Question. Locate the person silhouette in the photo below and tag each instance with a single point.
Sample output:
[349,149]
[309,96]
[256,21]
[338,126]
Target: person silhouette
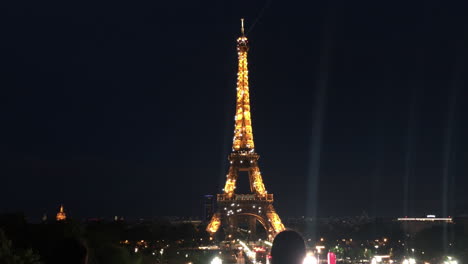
[288,248]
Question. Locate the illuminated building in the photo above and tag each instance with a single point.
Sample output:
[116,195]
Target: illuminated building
[426,219]
[416,224]
[61,216]
[256,206]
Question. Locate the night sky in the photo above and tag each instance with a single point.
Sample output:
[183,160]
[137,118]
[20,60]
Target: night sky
[126,108]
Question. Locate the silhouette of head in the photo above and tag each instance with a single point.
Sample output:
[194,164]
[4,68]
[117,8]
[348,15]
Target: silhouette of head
[288,248]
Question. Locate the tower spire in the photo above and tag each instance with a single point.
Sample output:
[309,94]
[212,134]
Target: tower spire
[242,27]
[243,134]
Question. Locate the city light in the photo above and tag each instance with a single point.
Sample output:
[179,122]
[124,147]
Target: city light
[216,260]
[409,261]
[379,258]
[319,248]
[250,254]
[450,260]
[427,219]
[310,259]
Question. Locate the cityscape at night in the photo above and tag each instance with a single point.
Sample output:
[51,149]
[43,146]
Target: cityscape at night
[235,132]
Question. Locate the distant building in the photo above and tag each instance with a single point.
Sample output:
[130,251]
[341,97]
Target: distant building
[208,207]
[118,219]
[194,222]
[61,216]
[416,224]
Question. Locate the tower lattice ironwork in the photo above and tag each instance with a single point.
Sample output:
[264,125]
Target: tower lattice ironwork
[258,204]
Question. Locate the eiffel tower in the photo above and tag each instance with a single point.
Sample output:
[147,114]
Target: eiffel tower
[257,206]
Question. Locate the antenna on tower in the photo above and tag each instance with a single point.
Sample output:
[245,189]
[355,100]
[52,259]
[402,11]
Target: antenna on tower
[242,26]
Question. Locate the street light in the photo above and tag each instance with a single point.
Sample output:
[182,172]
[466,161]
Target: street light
[409,261]
[450,260]
[216,260]
[310,259]
[319,248]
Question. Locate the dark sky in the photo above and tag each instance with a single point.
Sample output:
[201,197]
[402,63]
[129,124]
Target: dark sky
[125,108]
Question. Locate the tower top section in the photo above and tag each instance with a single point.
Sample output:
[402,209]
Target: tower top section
[243,134]
[242,43]
[242,27]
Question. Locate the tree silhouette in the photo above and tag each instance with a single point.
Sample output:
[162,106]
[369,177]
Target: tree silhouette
[10,256]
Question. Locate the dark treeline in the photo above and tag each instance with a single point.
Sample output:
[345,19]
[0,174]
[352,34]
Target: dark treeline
[103,241]
[162,241]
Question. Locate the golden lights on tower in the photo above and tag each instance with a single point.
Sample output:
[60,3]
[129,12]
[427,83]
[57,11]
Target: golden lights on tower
[214,224]
[244,159]
[243,134]
[275,221]
[61,216]
[258,185]
[229,187]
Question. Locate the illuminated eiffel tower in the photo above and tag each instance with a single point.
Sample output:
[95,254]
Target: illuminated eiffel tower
[257,206]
